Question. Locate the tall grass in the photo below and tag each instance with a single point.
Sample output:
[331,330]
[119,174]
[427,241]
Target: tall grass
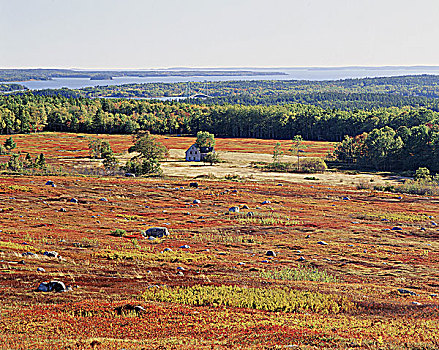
[301,273]
[274,299]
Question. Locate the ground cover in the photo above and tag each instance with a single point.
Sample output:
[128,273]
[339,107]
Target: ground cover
[351,268]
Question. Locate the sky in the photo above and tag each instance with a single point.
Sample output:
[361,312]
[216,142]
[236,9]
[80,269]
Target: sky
[143,34]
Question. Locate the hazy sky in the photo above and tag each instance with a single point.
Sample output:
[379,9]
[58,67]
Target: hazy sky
[217,33]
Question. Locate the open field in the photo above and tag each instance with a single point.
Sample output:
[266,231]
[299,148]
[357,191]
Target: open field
[358,273]
[350,269]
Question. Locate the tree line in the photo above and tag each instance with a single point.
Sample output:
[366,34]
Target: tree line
[28,113]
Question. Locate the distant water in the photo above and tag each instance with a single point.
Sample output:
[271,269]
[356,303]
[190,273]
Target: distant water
[315,73]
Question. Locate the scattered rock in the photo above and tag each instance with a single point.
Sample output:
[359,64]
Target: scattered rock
[396,228]
[63,210]
[245,206]
[179,273]
[52,286]
[180,268]
[156,232]
[126,309]
[266,202]
[196,201]
[50,183]
[416,303]
[185,246]
[270,253]
[51,254]
[234,210]
[130,175]
[103,199]
[346,198]
[73,200]
[28,254]
[40,269]
[322,243]
[405,291]
[301,259]
[167,250]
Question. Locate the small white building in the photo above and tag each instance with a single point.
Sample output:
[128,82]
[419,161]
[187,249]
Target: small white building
[197,154]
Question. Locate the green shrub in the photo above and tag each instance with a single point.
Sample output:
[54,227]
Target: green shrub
[118,232]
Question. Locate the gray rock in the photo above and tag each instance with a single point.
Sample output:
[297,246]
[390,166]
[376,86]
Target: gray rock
[405,291]
[156,232]
[51,254]
[52,286]
[28,254]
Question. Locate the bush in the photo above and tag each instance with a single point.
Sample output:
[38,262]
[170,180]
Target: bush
[307,165]
[118,232]
[313,165]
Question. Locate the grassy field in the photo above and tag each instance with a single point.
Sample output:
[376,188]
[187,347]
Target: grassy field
[350,269]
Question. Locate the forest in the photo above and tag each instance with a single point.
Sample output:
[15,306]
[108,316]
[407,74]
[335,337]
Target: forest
[47,74]
[266,91]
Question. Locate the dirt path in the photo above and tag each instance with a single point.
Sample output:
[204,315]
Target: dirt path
[238,164]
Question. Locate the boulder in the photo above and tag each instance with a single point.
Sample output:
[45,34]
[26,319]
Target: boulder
[406,291]
[73,200]
[51,254]
[50,183]
[193,184]
[270,253]
[245,206]
[63,210]
[196,201]
[52,286]
[156,232]
[234,210]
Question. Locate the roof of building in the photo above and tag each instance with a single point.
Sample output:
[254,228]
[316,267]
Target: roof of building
[201,149]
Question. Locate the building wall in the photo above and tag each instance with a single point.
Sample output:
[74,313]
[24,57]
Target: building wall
[193,154]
